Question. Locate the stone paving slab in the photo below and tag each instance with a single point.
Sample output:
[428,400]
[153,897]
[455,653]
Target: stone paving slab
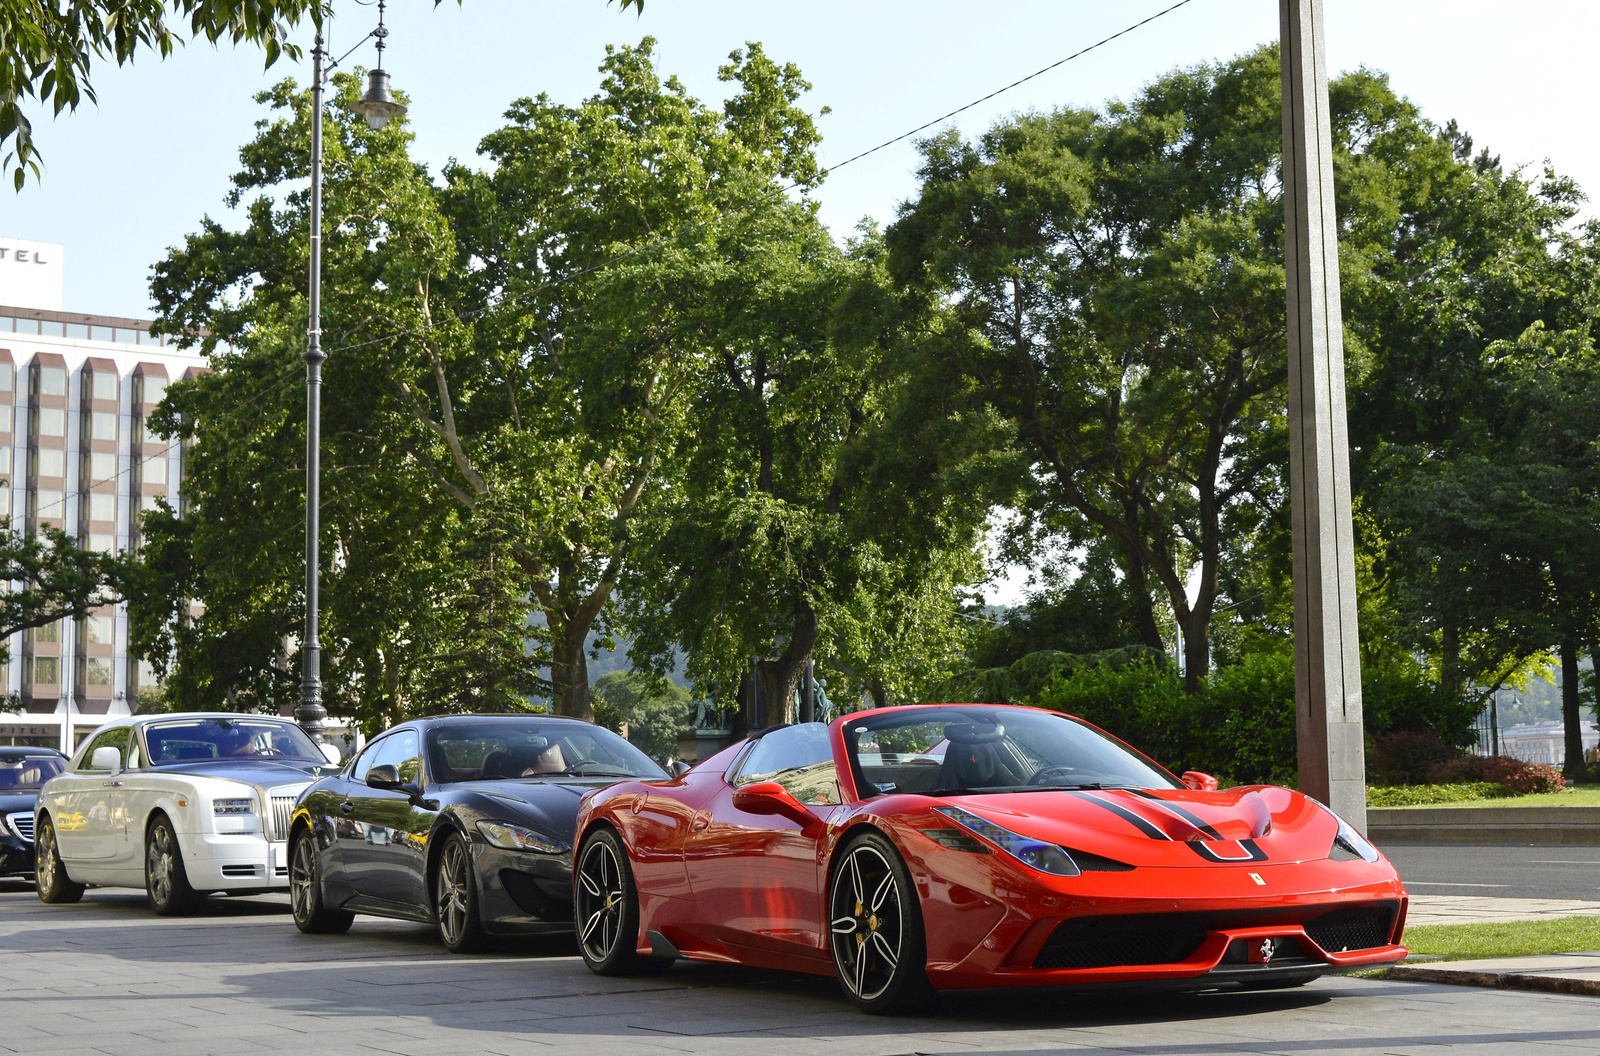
[1475,909]
[105,976]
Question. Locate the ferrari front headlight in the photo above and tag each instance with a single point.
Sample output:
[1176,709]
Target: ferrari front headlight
[517,838]
[1351,842]
[1035,854]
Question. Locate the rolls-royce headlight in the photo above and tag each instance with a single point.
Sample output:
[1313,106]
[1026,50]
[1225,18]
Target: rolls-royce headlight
[516,838]
[233,806]
[1035,854]
[1351,843]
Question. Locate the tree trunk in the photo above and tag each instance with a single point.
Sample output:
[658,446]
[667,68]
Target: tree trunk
[569,672]
[1196,631]
[880,696]
[1144,611]
[1571,712]
[781,677]
[1450,656]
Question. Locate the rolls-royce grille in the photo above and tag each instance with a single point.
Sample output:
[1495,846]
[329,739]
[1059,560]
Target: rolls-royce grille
[282,811]
[1356,928]
[22,824]
[1107,942]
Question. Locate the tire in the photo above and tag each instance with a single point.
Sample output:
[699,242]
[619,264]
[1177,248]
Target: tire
[49,874]
[605,909]
[166,882]
[311,915]
[875,924]
[455,898]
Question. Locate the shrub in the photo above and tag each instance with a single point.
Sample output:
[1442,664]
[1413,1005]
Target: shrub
[1423,795]
[1405,757]
[1513,774]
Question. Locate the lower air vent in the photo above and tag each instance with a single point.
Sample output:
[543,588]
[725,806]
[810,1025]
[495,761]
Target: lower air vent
[1111,942]
[524,891]
[1355,928]
[241,870]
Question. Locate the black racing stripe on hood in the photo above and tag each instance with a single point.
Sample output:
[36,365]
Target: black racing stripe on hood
[1252,852]
[1127,815]
[1179,811]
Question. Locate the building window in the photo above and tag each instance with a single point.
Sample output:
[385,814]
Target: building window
[50,632]
[105,385]
[79,331]
[52,421]
[50,503]
[154,389]
[102,507]
[46,670]
[144,674]
[5,373]
[52,381]
[102,542]
[49,462]
[154,470]
[96,671]
[102,466]
[5,417]
[105,425]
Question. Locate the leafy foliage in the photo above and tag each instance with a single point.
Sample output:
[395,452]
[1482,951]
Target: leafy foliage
[649,711]
[59,580]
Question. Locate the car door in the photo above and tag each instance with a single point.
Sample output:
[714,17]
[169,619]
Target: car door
[757,878]
[386,857]
[91,820]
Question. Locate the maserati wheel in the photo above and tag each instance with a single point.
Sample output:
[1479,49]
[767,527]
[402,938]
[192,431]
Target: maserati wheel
[455,899]
[166,884]
[606,909]
[49,875]
[876,924]
[311,914]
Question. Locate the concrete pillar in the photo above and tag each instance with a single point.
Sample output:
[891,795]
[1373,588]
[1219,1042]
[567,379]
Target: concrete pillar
[1326,658]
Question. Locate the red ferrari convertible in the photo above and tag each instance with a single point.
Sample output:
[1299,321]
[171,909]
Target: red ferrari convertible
[957,846]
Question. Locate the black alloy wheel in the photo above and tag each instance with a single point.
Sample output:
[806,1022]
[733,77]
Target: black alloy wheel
[875,923]
[455,898]
[49,875]
[311,915]
[605,909]
[166,883]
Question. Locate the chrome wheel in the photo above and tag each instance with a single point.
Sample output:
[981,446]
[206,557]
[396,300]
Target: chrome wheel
[600,900]
[867,921]
[302,881]
[158,854]
[450,892]
[45,862]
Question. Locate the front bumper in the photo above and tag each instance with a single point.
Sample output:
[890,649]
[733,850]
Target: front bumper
[245,862]
[16,856]
[521,892]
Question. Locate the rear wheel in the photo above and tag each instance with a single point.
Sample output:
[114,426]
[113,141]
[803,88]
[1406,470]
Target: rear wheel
[311,914]
[49,875]
[166,882]
[606,909]
[879,950]
[455,899]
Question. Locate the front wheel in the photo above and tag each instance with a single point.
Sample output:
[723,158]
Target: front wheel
[606,909]
[875,922]
[49,875]
[311,915]
[166,882]
[455,899]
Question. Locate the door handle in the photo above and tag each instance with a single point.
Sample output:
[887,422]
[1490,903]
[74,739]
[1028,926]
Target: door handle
[111,784]
[346,807]
[700,822]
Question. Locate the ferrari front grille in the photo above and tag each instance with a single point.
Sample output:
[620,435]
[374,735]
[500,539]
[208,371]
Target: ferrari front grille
[22,824]
[1111,942]
[1355,928]
[282,811]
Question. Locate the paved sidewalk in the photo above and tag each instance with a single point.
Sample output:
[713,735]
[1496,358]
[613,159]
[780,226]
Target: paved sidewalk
[1475,909]
[1560,973]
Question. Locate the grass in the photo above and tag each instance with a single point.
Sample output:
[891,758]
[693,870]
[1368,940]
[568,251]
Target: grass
[1516,938]
[1444,796]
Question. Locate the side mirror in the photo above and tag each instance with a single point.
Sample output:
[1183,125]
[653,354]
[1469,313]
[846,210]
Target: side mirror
[330,753]
[383,777]
[677,768]
[769,797]
[106,759]
[1199,782]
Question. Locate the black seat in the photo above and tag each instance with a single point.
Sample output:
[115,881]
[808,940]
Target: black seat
[500,764]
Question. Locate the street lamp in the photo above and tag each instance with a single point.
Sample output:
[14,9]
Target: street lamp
[377,107]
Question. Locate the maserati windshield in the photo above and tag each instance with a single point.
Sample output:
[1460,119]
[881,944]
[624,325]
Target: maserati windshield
[27,773]
[197,740]
[952,751]
[497,751]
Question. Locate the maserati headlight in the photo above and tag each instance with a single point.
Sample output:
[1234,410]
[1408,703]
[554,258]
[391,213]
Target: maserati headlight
[1352,843]
[1035,854]
[516,838]
[233,806]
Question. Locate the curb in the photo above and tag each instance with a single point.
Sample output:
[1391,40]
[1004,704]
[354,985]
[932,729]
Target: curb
[1513,826]
[1549,984]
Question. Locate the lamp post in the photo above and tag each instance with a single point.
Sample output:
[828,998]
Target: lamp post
[377,106]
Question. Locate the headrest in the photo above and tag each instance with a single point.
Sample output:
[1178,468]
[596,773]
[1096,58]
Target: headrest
[973,733]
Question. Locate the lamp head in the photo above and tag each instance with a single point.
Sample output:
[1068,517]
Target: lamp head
[378,105]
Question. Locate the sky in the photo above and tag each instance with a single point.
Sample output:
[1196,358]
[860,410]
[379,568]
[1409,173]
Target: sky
[130,176]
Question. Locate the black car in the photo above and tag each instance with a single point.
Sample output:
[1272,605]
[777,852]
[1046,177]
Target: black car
[465,821]
[22,772]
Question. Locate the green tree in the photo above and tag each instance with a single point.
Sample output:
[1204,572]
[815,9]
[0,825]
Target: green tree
[648,710]
[59,580]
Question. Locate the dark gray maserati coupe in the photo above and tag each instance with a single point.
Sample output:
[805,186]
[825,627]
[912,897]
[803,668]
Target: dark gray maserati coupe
[463,821]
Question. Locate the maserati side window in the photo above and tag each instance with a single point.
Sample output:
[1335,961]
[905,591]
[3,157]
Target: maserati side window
[403,752]
[800,758]
[363,763]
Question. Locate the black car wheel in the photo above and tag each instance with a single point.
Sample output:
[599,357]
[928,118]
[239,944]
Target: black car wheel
[49,875]
[606,909]
[311,914]
[455,898]
[876,923]
[166,883]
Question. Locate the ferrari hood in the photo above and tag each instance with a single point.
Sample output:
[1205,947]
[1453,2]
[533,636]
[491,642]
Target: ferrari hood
[1167,827]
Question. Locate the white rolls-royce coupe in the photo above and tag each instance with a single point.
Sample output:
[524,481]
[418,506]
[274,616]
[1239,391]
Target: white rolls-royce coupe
[182,805]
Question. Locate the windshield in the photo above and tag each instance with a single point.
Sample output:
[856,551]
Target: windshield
[27,773]
[193,740]
[489,751]
[956,750]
